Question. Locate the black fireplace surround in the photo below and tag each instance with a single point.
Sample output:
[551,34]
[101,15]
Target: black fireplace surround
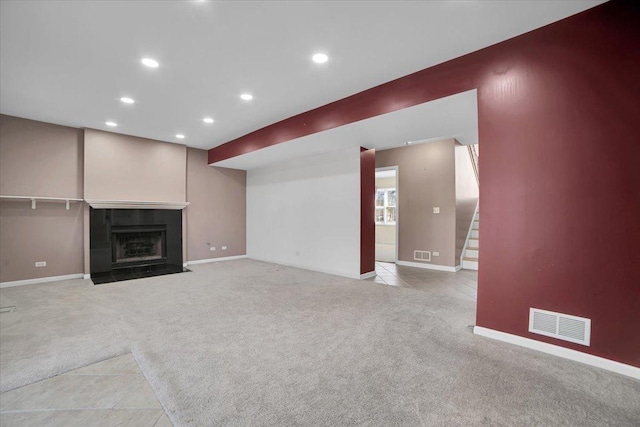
[132,243]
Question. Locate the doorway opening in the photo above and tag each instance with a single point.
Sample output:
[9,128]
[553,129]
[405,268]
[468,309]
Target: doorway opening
[386,214]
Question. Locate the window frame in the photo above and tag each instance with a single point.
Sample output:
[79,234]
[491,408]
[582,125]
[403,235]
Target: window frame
[385,206]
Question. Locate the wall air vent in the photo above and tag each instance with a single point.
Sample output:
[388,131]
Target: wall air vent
[422,255]
[562,326]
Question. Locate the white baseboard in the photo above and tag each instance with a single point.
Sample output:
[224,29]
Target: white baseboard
[208,260]
[40,280]
[304,267]
[577,356]
[367,275]
[429,266]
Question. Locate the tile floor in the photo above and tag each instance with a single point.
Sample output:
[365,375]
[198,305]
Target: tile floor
[113,392]
[462,284]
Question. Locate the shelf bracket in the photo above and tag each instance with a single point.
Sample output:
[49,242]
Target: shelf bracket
[33,203]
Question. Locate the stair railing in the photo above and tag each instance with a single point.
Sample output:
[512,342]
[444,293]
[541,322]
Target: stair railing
[473,154]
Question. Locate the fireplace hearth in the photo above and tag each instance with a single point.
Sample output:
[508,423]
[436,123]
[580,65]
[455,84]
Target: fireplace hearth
[127,244]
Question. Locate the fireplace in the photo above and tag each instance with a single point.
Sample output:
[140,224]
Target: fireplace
[132,243]
[138,244]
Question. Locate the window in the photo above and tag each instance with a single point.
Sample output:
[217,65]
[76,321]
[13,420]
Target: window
[386,199]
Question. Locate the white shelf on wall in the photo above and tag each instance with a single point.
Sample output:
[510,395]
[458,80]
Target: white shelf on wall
[35,199]
[135,204]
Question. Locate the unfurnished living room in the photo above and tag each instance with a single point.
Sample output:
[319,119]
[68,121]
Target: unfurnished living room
[319,213]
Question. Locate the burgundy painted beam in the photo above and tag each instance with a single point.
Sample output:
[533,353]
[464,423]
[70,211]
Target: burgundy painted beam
[450,78]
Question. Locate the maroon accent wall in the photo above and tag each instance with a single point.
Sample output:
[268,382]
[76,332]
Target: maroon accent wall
[367,206]
[560,196]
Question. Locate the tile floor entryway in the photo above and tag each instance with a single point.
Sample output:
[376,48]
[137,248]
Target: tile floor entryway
[462,284]
[113,392]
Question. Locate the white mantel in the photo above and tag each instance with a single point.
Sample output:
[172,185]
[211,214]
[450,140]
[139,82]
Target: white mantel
[133,204]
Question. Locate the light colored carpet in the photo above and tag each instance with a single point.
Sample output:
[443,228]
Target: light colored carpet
[249,343]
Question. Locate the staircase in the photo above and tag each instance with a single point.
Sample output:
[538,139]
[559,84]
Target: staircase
[471,250]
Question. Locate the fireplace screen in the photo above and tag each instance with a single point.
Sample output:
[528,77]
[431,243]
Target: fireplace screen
[138,245]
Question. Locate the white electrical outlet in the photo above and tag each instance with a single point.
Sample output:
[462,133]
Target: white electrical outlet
[224,248]
[41,263]
[212,248]
[436,209]
[435,253]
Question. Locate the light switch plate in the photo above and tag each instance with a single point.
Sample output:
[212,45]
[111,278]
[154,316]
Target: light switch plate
[212,248]
[436,253]
[436,209]
[224,248]
[41,263]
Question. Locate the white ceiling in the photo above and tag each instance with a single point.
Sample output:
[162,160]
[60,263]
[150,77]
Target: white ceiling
[69,62]
[451,117]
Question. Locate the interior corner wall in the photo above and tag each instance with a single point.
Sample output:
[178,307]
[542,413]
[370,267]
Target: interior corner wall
[426,179]
[306,213]
[467,193]
[40,159]
[216,215]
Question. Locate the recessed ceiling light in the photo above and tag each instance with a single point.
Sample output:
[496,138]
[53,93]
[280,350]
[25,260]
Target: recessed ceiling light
[207,120]
[320,58]
[246,96]
[152,63]
[112,124]
[180,136]
[127,100]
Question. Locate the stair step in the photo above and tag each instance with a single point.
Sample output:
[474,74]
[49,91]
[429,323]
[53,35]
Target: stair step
[470,263]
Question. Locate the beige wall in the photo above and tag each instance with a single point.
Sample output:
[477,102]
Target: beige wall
[40,159]
[122,167]
[426,178]
[216,215]
[467,193]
